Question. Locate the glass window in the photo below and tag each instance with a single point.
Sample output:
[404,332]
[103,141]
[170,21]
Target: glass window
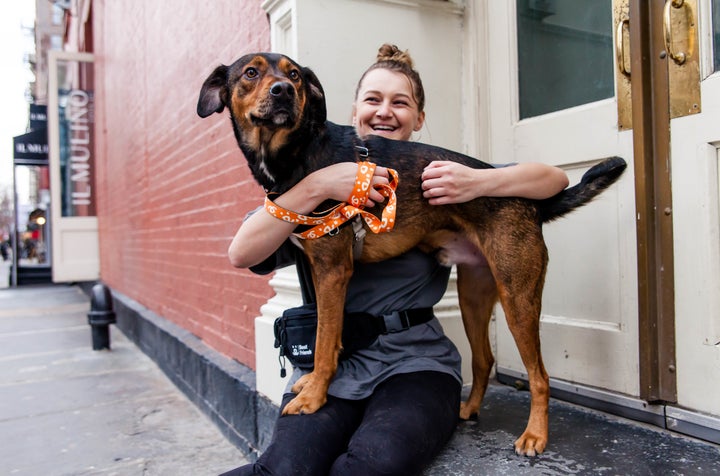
[76,109]
[565,54]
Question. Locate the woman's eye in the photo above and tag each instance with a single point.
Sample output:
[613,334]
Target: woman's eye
[251,73]
[372,100]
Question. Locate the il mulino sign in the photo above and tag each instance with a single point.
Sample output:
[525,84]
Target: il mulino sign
[76,134]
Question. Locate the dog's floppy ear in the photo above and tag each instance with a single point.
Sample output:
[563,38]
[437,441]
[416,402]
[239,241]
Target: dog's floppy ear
[316,96]
[213,94]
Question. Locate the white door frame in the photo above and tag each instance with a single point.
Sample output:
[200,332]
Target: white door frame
[75,254]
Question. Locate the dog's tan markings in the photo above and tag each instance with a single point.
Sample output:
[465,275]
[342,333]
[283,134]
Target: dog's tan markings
[245,97]
[290,72]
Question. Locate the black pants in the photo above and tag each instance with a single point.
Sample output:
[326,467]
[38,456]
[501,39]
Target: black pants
[398,430]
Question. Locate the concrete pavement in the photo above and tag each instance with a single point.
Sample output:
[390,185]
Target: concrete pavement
[68,410]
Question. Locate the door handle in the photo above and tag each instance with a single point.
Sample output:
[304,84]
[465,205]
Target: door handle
[620,47]
[678,57]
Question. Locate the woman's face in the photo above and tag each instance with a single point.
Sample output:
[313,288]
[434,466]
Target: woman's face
[385,106]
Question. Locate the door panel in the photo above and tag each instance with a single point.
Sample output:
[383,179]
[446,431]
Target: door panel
[589,317]
[72,157]
[696,203]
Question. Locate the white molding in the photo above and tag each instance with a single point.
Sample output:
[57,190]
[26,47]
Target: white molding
[454,7]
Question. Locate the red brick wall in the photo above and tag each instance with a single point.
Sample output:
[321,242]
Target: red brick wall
[173,188]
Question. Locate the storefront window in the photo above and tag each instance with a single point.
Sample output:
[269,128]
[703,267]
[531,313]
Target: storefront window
[76,110]
[33,215]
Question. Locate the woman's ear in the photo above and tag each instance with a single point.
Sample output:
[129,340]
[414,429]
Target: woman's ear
[420,121]
[354,115]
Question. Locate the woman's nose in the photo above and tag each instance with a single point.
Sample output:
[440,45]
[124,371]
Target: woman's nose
[383,110]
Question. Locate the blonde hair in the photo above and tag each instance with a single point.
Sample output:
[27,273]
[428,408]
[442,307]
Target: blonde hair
[391,58]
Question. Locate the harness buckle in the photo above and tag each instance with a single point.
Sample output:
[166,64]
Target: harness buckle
[362,151]
[396,321]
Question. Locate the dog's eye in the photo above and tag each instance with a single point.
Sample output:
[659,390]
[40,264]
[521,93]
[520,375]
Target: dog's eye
[251,73]
[294,75]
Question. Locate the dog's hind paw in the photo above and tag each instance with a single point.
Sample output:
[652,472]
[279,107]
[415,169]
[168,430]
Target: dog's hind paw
[530,445]
[467,411]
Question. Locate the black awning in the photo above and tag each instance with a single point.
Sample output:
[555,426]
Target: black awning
[31,148]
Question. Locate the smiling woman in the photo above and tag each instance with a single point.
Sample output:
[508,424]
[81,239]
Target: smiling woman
[387,103]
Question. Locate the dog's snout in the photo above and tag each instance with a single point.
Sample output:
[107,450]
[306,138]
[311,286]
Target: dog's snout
[281,89]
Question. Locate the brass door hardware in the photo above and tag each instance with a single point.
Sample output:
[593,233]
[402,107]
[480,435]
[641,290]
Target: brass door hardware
[679,28]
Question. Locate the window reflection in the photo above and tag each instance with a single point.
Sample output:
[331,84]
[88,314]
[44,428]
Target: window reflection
[565,55]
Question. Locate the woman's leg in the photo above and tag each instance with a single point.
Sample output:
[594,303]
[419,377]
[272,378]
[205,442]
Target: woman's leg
[407,421]
[307,445]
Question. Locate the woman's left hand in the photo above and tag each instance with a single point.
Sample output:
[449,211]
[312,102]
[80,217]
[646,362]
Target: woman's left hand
[446,182]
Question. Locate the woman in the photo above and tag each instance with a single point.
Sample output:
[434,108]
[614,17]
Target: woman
[392,406]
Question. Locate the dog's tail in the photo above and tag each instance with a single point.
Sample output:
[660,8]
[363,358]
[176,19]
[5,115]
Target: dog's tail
[596,179]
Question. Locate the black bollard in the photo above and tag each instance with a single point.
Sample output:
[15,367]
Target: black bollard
[100,317]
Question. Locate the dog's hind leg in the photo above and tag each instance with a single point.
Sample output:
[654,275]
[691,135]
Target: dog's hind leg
[477,295]
[520,275]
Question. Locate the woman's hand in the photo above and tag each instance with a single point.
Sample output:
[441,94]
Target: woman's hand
[336,182]
[262,234]
[449,182]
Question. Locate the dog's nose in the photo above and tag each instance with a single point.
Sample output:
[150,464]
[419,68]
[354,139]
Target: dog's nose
[282,88]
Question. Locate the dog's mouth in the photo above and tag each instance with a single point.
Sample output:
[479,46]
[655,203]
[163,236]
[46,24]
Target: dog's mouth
[276,119]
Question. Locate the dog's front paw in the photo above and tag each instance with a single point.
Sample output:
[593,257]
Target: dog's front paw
[311,395]
[530,444]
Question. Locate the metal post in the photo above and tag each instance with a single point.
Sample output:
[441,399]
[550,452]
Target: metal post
[100,317]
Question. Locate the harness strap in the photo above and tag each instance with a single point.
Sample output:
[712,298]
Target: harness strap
[330,221]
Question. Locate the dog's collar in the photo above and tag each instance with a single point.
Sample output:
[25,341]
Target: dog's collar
[329,221]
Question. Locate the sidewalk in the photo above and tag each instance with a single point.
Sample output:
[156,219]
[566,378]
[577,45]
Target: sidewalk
[68,410]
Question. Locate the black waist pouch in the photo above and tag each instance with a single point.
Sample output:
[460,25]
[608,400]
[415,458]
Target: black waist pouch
[296,330]
[295,333]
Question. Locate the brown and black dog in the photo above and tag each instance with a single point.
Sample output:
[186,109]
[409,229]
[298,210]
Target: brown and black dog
[278,114]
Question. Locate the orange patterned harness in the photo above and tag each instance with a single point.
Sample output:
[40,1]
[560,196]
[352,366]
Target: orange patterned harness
[330,221]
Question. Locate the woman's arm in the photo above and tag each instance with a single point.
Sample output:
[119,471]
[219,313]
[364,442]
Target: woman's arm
[262,234]
[448,182]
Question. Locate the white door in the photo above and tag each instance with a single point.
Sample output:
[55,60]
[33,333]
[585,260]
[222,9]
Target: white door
[552,99]
[72,156]
[695,156]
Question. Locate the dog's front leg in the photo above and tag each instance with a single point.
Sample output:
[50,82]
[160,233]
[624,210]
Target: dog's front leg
[331,261]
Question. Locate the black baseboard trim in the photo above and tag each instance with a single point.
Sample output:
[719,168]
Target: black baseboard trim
[222,388]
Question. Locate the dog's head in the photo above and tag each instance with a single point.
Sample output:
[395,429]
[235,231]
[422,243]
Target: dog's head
[272,101]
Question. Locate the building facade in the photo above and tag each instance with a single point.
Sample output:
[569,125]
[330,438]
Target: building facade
[631,318]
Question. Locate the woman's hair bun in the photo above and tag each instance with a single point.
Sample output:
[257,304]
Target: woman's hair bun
[388,52]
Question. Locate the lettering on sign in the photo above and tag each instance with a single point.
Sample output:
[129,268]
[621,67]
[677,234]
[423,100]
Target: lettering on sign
[77,115]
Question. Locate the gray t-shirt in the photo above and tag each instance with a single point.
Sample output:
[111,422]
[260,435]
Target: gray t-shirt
[409,281]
